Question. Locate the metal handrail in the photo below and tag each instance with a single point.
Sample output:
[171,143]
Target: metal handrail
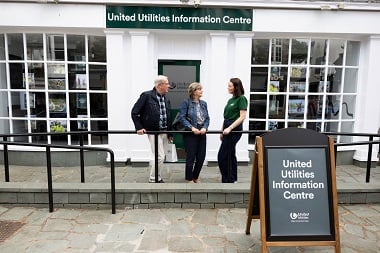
[81,148]
[49,167]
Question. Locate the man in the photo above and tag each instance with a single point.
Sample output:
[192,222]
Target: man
[151,112]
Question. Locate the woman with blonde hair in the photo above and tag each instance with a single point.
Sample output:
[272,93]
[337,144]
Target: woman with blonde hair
[194,116]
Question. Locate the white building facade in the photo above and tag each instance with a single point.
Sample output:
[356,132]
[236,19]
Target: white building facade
[72,65]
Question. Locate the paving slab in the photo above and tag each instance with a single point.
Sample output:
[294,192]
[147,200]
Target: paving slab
[169,230]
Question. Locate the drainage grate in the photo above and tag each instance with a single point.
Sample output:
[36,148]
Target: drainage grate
[8,228]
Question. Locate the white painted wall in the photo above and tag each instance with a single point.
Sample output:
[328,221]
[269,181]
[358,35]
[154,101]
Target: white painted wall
[368,106]
[132,57]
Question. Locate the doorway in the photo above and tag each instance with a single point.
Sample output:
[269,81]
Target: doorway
[181,73]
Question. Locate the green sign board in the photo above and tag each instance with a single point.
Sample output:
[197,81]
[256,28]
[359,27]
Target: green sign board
[179,18]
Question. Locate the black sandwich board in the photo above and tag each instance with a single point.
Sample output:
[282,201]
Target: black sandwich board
[294,174]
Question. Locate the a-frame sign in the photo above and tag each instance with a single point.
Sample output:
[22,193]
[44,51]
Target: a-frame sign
[294,174]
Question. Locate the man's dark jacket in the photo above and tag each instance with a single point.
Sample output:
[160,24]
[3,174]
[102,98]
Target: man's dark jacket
[146,112]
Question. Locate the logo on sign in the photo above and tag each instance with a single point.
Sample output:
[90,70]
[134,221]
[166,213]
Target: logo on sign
[299,217]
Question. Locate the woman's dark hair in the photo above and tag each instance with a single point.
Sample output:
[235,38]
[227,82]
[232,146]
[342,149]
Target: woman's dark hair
[238,87]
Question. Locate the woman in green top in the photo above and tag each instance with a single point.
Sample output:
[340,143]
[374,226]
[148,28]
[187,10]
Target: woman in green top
[234,114]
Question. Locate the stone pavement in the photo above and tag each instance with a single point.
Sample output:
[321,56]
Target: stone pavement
[168,230]
[347,175]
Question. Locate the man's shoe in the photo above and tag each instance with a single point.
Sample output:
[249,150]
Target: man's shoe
[154,180]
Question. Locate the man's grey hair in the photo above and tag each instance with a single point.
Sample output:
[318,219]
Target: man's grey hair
[160,79]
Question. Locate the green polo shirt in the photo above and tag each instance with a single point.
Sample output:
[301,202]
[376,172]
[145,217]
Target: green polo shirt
[234,106]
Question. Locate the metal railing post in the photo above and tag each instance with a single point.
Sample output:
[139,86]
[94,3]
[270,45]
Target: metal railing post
[113,190]
[369,160]
[81,152]
[6,161]
[49,178]
[156,157]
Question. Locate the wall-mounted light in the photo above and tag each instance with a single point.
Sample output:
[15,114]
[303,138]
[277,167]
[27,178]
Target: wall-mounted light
[197,3]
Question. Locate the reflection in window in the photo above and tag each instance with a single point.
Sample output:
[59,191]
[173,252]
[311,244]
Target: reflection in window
[19,127]
[37,104]
[350,80]
[334,80]
[348,107]
[36,76]
[39,126]
[318,52]
[76,50]
[35,47]
[260,51]
[332,107]
[347,127]
[299,51]
[78,105]
[98,105]
[2,47]
[19,102]
[314,107]
[53,77]
[17,75]
[4,104]
[97,49]
[3,76]
[98,77]
[99,125]
[77,77]
[258,106]
[4,126]
[55,47]
[336,52]
[352,54]
[259,79]
[280,51]
[15,46]
[316,77]
[277,106]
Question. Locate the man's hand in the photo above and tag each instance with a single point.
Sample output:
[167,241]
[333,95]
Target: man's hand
[141,131]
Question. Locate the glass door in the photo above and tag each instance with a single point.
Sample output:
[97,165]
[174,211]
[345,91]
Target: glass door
[181,74]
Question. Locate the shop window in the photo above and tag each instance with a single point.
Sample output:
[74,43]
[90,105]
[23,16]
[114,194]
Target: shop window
[97,77]
[57,85]
[260,51]
[308,83]
[97,49]
[299,51]
[36,76]
[2,47]
[280,51]
[17,76]
[318,52]
[3,76]
[77,76]
[4,112]
[35,47]
[76,48]
[4,126]
[15,46]
[55,47]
